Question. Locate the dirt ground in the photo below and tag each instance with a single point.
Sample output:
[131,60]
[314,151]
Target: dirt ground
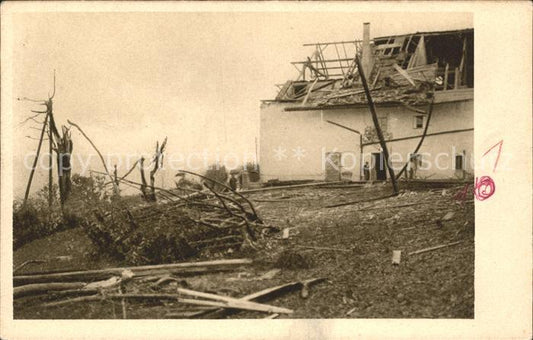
[350,246]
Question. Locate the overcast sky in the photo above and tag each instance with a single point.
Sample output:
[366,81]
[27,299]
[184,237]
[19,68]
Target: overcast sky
[129,79]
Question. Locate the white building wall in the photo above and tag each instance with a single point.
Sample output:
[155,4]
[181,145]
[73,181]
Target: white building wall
[309,131]
[282,134]
[438,152]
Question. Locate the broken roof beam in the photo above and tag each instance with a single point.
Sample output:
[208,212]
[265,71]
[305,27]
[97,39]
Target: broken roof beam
[460,31]
[325,60]
[333,43]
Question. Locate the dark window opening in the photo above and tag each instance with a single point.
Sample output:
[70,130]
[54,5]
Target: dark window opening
[419,122]
[299,88]
[459,162]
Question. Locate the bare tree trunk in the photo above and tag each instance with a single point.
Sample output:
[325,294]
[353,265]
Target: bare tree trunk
[144,186]
[64,152]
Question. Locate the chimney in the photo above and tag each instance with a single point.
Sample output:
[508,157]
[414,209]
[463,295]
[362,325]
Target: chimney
[367,58]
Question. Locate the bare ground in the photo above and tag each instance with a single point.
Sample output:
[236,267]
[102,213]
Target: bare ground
[351,246]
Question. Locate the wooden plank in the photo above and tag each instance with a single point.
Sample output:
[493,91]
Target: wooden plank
[184,267]
[403,73]
[333,42]
[396,256]
[446,69]
[236,303]
[434,248]
[419,73]
[309,91]
[372,109]
[418,136]
[264,295]
[325,61]
[457,78]
[386,46]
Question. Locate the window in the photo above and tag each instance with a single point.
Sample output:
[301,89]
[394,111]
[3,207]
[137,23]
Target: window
[418,122]
[459,162]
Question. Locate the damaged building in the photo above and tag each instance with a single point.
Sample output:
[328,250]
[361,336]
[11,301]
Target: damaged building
[319,126]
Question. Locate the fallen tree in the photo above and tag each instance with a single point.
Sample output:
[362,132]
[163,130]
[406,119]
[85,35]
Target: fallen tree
[174,268]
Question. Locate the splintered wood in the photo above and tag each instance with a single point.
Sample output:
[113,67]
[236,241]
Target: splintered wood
[196,302]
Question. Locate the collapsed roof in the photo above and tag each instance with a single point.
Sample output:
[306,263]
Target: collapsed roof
[401,69]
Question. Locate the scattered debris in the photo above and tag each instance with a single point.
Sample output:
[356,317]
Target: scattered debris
[448,216]
[304,293]
[235,303]
[270,274]
[265,294]
[323,248]
[285,235]
[351,311]
[434,248]
[396,256]
[181,268]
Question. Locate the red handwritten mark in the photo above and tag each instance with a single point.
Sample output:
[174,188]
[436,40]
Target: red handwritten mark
[500,143]
[484,188]
[461,195]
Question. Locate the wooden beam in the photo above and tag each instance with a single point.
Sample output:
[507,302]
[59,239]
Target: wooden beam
[418,136]
[446,70]
[429,114]
[235,302]
[372,109]
[309,92]
[326,61]
[28,186]
[434,248]
[403,73]
[184,267]
[333,42]
[263,295]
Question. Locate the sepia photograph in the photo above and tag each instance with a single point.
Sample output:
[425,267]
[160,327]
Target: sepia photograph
[233,164]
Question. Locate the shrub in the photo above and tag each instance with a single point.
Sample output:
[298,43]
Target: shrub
[36,219]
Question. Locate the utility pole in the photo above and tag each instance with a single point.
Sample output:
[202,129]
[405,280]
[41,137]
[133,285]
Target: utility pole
[376,125]
[35,161]
[50,156]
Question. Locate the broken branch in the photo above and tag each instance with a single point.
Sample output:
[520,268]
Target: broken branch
[184,267]
[434,248]
[97,151]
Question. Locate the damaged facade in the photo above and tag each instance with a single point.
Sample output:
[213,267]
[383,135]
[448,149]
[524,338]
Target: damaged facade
[319,127]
